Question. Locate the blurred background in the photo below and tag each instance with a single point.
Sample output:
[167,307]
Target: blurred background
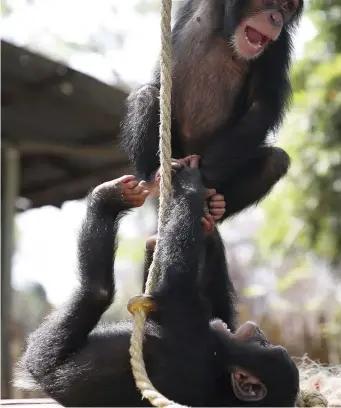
[67,66]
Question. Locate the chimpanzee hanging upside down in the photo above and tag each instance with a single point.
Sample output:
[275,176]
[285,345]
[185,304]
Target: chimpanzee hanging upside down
[230,89]
[189,358]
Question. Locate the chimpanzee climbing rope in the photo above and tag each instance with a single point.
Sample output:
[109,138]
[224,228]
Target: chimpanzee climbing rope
[139,306]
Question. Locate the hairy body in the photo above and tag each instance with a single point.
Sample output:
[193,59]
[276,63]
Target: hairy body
[189,358]
[229,91]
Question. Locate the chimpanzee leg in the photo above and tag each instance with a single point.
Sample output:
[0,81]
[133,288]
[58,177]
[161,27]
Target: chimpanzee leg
[140,130]
[255,181]
[62,356]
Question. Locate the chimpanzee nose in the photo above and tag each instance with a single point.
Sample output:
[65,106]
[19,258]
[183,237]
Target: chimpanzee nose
[276,19]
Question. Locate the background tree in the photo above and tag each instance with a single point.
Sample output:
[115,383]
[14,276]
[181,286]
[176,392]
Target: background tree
[306,207]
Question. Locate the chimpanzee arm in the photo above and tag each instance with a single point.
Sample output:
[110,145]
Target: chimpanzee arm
[54,354]
[231,149]
[255,180]
[140,130]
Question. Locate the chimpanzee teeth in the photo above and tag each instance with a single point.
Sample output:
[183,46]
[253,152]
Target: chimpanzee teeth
[256,46]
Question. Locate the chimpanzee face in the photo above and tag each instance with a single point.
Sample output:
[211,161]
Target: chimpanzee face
[261,23]
[258,373]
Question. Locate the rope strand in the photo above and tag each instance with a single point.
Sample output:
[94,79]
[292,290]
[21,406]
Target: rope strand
[136,344]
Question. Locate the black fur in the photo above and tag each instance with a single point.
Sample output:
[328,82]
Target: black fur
[223,108]
[214,281]
[187,357]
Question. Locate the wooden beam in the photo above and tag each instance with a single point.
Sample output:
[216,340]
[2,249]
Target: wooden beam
[76,188]
[42,402]
[107,152]
[10,192]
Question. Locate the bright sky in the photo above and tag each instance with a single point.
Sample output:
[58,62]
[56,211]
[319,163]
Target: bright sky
[46,247]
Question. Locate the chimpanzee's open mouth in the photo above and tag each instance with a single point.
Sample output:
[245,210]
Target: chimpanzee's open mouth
[247,387]
[255,39]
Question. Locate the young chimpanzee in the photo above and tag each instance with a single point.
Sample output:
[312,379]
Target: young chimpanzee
[230,89]
[189,358]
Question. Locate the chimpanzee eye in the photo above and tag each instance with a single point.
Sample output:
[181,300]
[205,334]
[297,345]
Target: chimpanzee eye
[257,340]
[288,6]
[269,3]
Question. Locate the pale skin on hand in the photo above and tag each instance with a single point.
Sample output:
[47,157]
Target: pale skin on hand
[133,192]
[216,205]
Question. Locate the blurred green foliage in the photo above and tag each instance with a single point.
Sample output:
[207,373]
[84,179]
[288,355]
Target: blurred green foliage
[304,212]
[131,249]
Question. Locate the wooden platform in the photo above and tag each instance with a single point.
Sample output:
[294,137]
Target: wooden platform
[29,403]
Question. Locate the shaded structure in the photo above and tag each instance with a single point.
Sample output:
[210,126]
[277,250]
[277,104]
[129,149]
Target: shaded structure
[63,123]
[59,138]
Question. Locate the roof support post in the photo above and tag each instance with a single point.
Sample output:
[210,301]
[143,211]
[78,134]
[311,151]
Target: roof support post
[10,189]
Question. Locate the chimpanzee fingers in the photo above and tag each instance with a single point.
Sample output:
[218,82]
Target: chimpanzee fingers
[176,163]
[218,197]
[125,179]
[133,195]
[109,188]
[137,200]
[209,192]
[217,211]
[137,190]
[217,216]
[191,161]
[217,204]
[194,161]
[176,166]
[208,223]
[130,184]
[205,224]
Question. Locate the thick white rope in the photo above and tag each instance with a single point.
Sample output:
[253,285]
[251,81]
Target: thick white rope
[136,344]
[165,147]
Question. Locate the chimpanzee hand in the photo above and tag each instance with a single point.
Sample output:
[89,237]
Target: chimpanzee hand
[177,164]
[216,206]
[125,190]
[216,202]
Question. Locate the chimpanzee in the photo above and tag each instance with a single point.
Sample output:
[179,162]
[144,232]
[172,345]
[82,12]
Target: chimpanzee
[190,358]
[230,66]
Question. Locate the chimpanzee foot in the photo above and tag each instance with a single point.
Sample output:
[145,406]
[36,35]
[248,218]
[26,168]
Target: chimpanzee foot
[125,189]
